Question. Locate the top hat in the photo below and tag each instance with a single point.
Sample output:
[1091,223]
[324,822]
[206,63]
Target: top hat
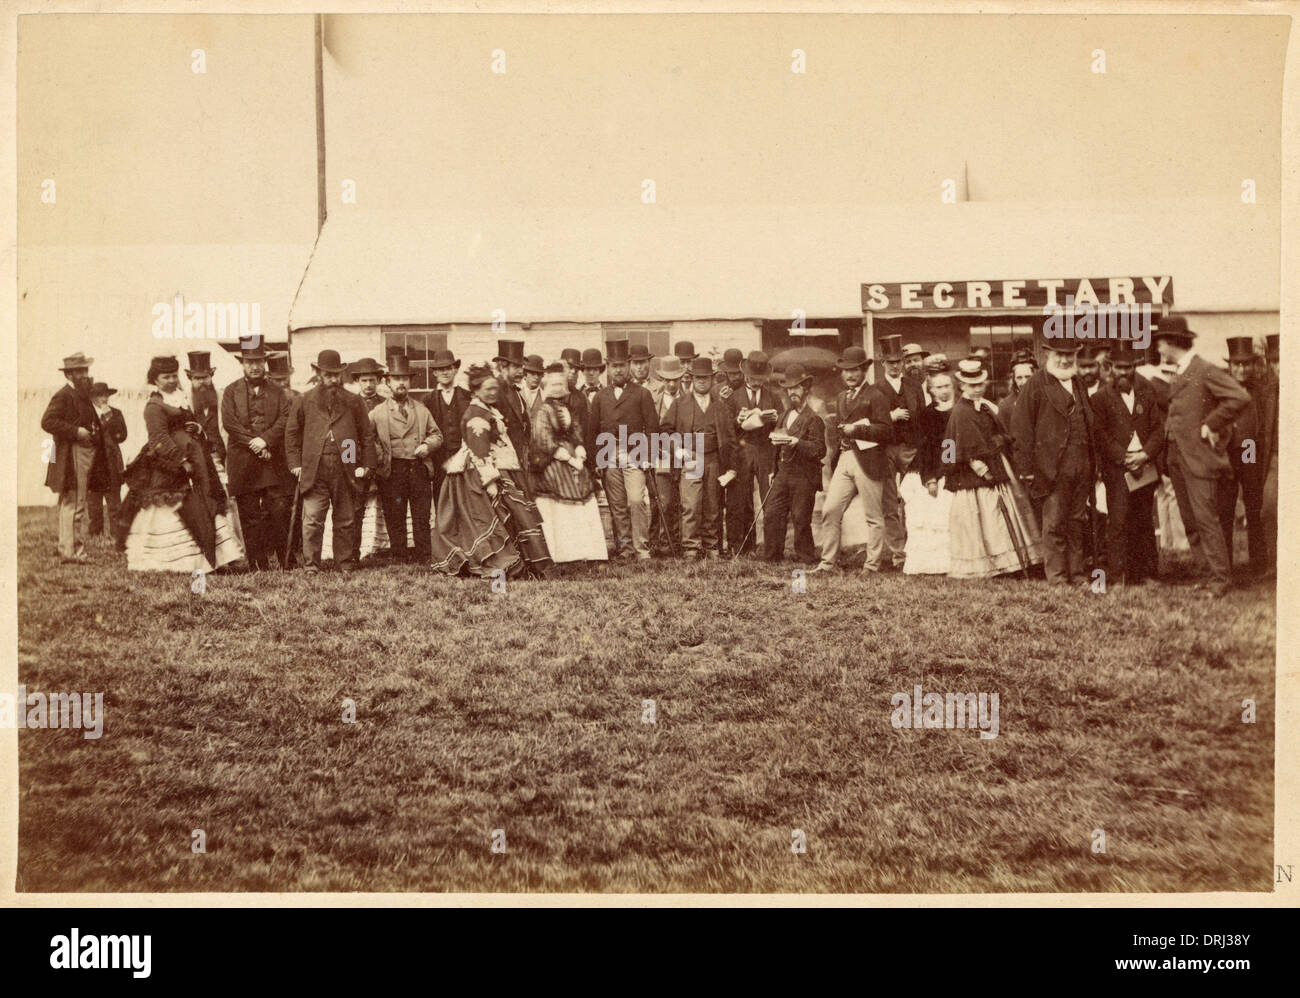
[534,363]
[1057,344]
[1273,343]
[99,388]
[75,361]
[912,349]
[617,351]
[795,375]
[510,351]
[198,362]
[572,356]
[1240,348]
[366,365]
[756,364]
[640,352]
[1125,354]
[592,360]
[278,365]
[670,368]
[701,367]
[937,363]
[255,352]
[1173,327]
[971,372]
[891,347]
[684,350]
[329,362]
[853,357]
[443,359]
[731,361]
[400,365]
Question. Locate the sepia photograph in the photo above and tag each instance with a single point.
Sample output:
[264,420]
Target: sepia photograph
[678,453]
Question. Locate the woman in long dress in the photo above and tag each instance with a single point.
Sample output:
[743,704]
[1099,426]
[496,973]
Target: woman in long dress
[177,505]
[566,498]
[991,526]
[928,503]
[485,520]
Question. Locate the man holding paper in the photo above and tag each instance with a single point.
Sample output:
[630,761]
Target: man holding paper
[755,406]
[708,439]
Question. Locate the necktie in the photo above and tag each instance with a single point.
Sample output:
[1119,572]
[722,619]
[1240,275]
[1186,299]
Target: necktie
[401,407]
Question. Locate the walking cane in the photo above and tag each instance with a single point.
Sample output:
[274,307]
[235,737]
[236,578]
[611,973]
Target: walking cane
[293,521]
[1021,554]
[653,489]
[762,498]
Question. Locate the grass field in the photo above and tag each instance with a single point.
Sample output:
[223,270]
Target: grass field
[523,712]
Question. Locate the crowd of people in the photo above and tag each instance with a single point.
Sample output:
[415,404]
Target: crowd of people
[503,468]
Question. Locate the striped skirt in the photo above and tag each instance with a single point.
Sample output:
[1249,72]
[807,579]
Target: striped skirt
[160,542]
[990,531]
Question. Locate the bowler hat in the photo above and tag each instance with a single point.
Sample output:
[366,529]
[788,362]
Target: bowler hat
[912,349]
[756,364]
[366,365]
[640,352]
[571,356]
[1173,327]
[971,371]
[198,362]
[443,359]
[534,363]
[399,365]
[853,357]
[99,388]
[278,364]
[795,375]
[1240,348]
[701,367]
[592,360]
[670,368]
[510,351]
[891,347]
[617,351]
[75,361]
[684,350]
[328,362]
[731,361]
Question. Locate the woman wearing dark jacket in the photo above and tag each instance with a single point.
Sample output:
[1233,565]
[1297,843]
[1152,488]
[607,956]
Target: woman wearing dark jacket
[175,518]
[929,504]
[991,527]
[561,479]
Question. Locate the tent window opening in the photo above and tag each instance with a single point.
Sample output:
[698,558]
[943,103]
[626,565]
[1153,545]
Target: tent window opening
[652,335]
[417,344]
[1001,342]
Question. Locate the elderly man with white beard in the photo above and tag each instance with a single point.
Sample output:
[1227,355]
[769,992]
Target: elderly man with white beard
[1052,429]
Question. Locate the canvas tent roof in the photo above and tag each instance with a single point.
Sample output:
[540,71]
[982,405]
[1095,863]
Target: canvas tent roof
[658,262]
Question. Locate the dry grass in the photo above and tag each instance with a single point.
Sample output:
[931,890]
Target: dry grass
[523,712]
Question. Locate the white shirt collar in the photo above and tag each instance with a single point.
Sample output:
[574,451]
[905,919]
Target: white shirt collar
[1186,360]
[895,383]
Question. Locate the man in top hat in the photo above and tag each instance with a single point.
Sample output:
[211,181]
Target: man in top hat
[205,404]
[858,444]
[1128,431]
[800,442]
[707,429]
[905,400]
[1250,441]
[1203,404]
[755,408]
[1268,415]
[255,412]
[510,372]
[666,501]
[278,371]
[1052,427]
[731,372]
[684,351]
[330,444]
[75,441]
[105,483]
[447,402]
[406,439]
[914,362]
[621,414]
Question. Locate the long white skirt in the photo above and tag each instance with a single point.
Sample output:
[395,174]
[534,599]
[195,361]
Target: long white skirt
[927,527]
[159,542]
[980,540]
[374,535]
[573,530]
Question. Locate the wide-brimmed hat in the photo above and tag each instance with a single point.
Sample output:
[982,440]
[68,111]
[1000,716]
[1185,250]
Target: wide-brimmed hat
[670,368]
[731,361]
[891,347]
[1240,348]
[853,357]
[795,375]
[75,361]
[971,372]
[1273,347]
[684,350]
[534,364]
[510,352]
[701,367]
[278,365]
[443,359]
[592,360]
[255,352]
[366,365]
[616,352]
[757,364]
[329,362]
[400,365]
[1172,327]
[99,388]
[571,356]
[198,362]
[640,352]
[912,349]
